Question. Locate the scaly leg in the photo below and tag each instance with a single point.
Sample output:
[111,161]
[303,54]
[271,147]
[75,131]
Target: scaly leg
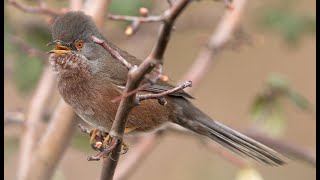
[93,135]
[125,145]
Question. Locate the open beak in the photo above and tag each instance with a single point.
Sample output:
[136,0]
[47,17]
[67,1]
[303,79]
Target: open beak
[58,48]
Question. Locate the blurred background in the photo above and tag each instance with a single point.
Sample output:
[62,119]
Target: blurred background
[278,54]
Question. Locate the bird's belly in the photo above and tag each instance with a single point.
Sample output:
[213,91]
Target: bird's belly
[93,103]
[94,123]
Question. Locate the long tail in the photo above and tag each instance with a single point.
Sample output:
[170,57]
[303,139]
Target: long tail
[195,120]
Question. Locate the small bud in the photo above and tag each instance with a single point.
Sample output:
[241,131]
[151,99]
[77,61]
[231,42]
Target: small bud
[144,12]
[128,31]
[164,78]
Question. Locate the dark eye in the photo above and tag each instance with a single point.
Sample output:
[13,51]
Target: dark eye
[79,44]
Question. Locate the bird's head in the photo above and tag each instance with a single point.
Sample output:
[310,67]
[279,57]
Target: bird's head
[72,40]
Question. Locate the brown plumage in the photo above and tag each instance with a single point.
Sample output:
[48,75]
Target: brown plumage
[89,78]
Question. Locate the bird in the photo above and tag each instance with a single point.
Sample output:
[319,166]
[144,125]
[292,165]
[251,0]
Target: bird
[89,78]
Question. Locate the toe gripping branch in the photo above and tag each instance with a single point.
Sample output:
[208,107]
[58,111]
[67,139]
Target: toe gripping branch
[103,142]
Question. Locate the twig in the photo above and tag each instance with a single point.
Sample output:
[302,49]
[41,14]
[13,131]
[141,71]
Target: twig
[13,118]
[113,52]
[140,19]
[84,129]
[135,77]
[200,67]
[136,21]
[29,49]
[142,97]
[40,9]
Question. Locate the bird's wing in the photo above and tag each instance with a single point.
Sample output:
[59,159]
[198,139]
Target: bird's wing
[159,87]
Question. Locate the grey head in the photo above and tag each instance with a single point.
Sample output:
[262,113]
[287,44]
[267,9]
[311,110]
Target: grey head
[73,46]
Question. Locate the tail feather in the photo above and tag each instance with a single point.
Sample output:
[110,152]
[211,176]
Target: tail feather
[197,121]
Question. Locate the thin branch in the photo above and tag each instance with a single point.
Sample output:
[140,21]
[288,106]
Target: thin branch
[40,9]
[135,77]
[29,49]
[196,73]
[136,21]
[113,52]
[141,19]
[84,129]
[13,118]
[160,95]
[222,34]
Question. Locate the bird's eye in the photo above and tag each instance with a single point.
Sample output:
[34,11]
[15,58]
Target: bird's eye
[79,44]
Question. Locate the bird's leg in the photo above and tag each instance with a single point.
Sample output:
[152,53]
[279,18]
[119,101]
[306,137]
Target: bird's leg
[94,139]
[125,145]
[108,144]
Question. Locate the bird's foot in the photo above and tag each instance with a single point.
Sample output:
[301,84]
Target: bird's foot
[105,151]
[96,139]
[104,144]
[125,145]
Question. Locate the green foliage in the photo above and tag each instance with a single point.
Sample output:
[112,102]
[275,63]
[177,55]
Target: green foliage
[278,82]
[289,25]
[267,108]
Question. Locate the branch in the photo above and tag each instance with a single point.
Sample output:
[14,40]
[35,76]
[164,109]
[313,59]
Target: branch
[217,41]
[135,77]
[115,54]
[48,153]
[40,9]
[13,118]
[196,73]
[35,115]
[160,95]
[136,21]
[140,19]
[31,51]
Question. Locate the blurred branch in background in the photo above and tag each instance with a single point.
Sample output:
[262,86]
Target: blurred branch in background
[42,8]
[30,135]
